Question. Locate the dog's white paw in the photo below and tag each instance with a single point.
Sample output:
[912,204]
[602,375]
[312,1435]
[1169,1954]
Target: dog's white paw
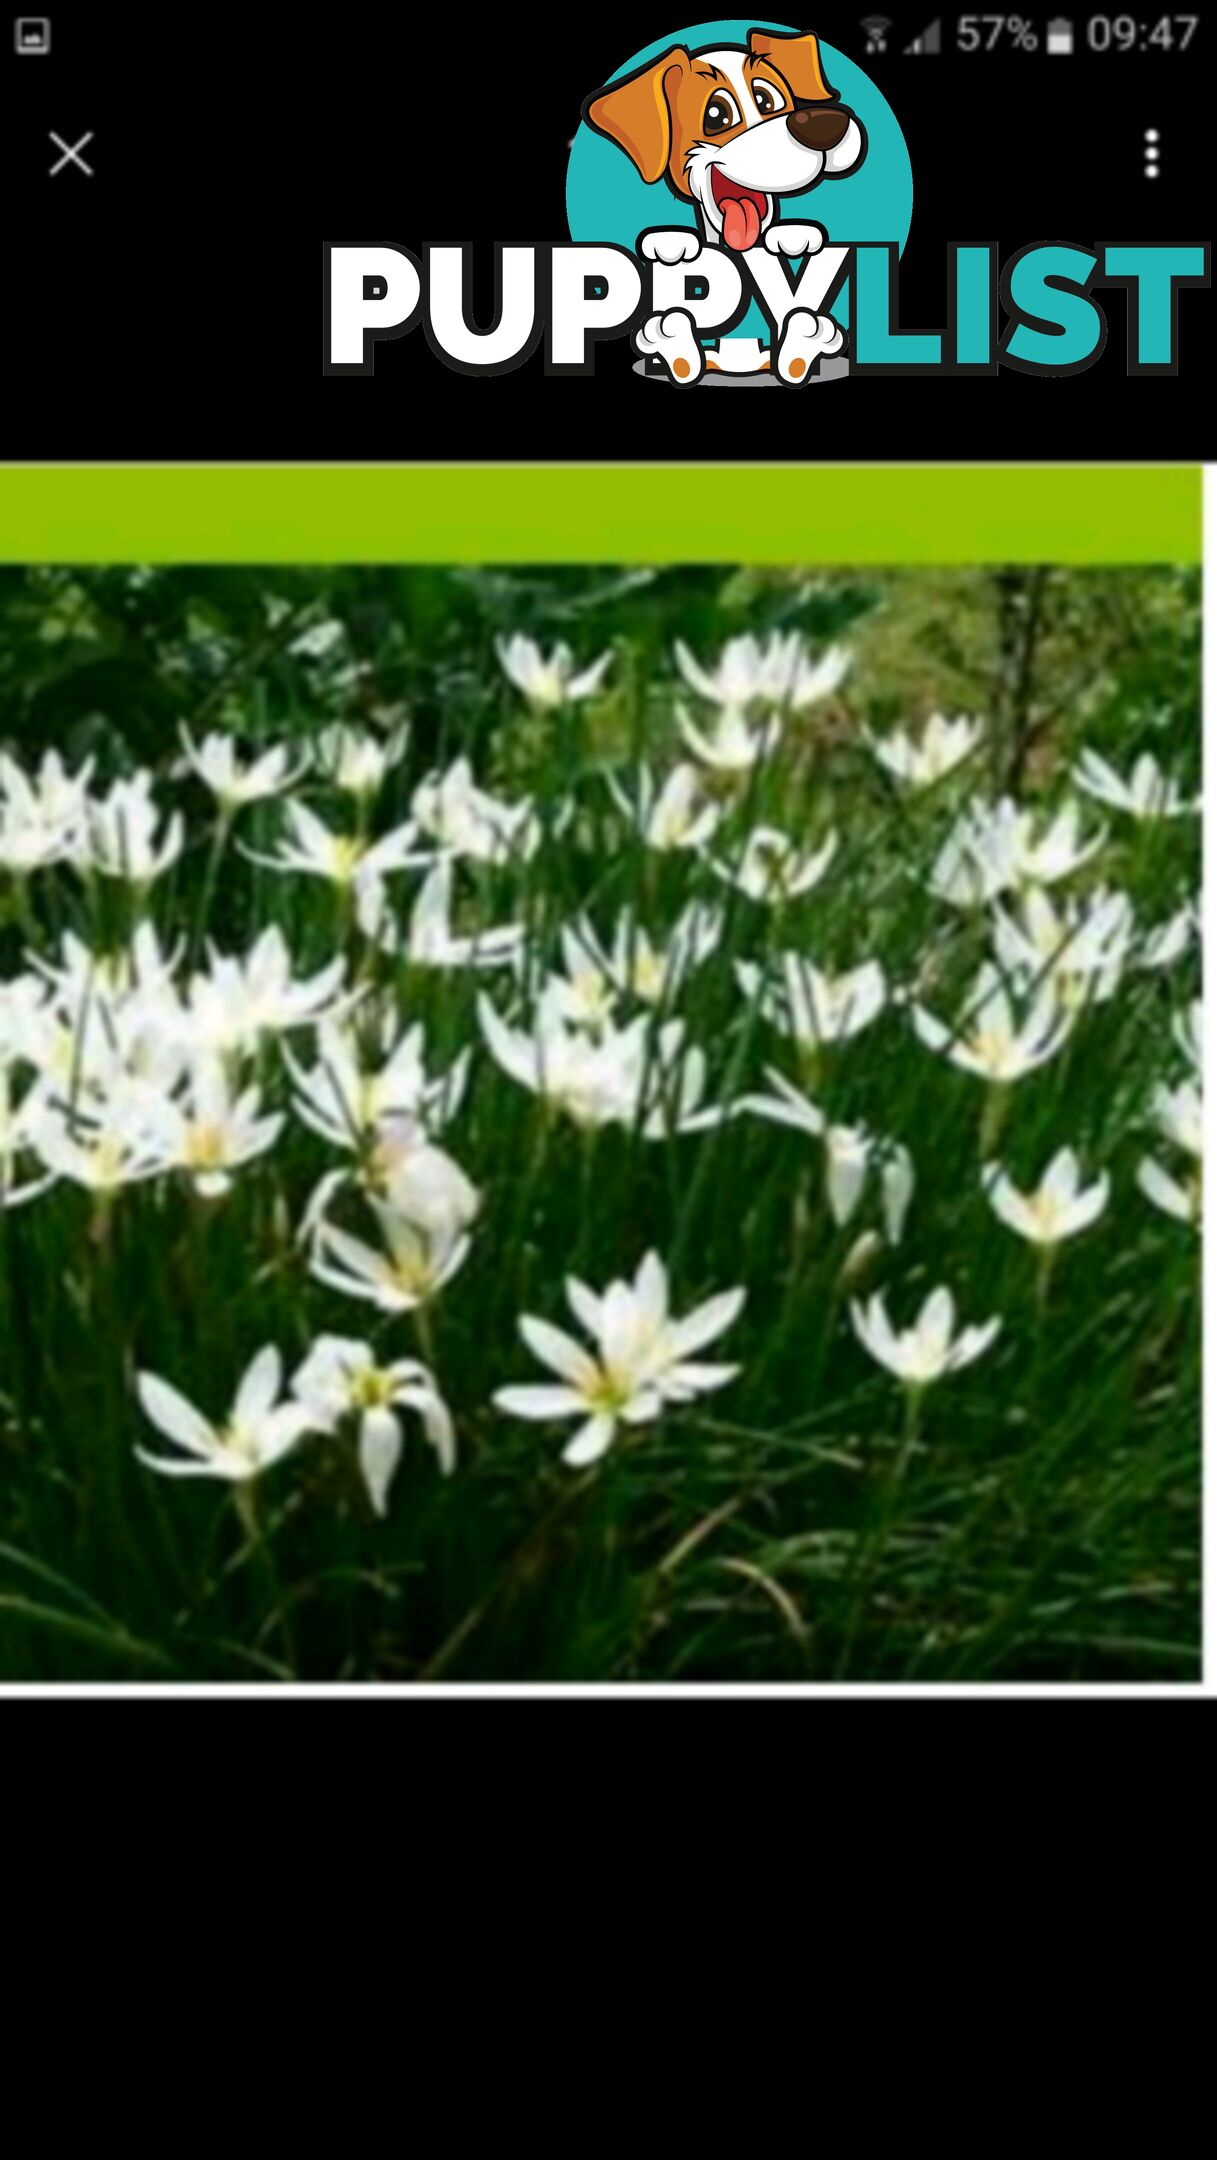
[675,246]
[674,338]
[806,339]
[794,239]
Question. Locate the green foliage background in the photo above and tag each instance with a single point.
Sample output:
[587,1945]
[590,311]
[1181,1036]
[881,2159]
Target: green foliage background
[1052,1527]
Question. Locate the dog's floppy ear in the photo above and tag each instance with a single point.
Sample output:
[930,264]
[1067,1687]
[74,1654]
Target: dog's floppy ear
[635,113]
[797,58]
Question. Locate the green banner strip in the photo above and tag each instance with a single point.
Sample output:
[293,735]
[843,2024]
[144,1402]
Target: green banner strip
[599,513]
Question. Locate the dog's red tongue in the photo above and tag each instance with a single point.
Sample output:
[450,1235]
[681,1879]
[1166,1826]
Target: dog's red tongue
[741,222]
[742,208]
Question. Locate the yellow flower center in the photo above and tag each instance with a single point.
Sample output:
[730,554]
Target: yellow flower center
[991,1047]
[370,1390]
[346,855]
[206,1147]
[1046,1212]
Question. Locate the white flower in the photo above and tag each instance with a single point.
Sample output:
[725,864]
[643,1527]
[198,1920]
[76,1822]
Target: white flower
[416,1180]
[681,816]
[258,1432]
[636,964]
[1059,1207]
[585,996]
[851,1155]
[549,682]
[363,1080]
[215,762]
[357,762]
[643,1359]
[464,819]
[313,849]
[1180,1116]
[744,672]
[123,837]
[638,1074]
[1185,1201]
[429,939]
[319,640]
[1168,941]
[656,972]
[423,1183]
[413,1267]
[777,672]
[587,993]
[40,818]
[52,794]
[1082,947]
[943,745]
[102,1153]
[992,1040]
[238,1001]
[342,1378]
[1147,793]
[995,847]
[812,1006]
[214,1131]
[810,680]
[107,1035]
[137,969]
[771,869]
[733,746]
[923,1353]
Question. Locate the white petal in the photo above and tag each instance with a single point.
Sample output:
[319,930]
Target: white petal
[259,1387]
[555,1348]
[705,1323]
[590,1442]
[539,1402]
[379,1454]
[174,1416]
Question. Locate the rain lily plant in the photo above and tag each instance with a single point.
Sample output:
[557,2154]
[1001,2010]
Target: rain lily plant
[1058,1208]
[341,1380]
[556,1046]
[643,1361]
[258,1432]
[930,1348]
[922,761]
[216,761]
[776,671]
[550,680]
[1148,792]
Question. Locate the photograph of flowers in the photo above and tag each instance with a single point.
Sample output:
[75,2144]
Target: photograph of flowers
[600,1124]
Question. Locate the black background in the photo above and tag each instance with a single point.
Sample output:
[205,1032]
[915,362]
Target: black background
[171,306]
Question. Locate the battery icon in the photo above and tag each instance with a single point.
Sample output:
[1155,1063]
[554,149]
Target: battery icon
[1060,36]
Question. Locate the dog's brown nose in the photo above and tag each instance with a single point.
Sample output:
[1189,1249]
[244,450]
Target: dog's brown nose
[818,127]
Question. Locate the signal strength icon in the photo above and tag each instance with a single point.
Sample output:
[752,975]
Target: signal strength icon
[930,40]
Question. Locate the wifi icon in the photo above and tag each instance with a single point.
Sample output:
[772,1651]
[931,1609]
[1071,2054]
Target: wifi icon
[876,28]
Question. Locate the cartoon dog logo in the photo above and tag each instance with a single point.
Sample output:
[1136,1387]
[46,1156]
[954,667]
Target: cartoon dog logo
[731,129]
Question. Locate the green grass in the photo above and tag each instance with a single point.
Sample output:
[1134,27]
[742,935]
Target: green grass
[1040,1521]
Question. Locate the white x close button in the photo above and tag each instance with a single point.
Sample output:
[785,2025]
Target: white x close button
[70,155]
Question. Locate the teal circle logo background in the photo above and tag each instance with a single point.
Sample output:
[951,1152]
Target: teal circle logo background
[607,198]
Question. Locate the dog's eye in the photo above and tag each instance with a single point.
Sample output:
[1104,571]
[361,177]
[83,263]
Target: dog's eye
[720,113]
[765,98]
